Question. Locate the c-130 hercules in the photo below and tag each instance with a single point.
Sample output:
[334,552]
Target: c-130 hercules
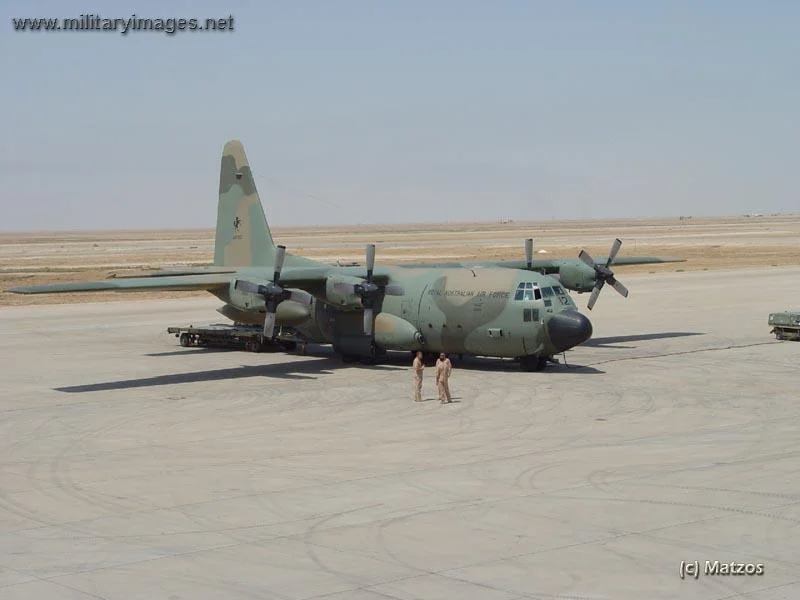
[363,311]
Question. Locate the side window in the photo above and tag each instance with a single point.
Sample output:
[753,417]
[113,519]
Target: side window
[530,314]
[547,292]
[538,293]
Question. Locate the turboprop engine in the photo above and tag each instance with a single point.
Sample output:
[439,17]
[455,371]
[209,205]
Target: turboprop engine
[587,276]
[287,313]
[577,277]
[394,333]
[340,291]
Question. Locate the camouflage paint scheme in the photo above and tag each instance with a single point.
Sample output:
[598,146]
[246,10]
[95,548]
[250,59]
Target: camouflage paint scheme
[455,310]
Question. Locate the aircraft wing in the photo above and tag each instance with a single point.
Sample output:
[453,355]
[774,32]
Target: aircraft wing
[300,277]
[540,264]
[133,284]
[184,271]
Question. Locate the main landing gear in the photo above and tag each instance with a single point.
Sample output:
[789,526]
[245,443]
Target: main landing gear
[369,356]
[533,363]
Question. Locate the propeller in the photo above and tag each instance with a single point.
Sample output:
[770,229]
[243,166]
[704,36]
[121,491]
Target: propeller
[274,293]
[603,273]
[368,291]
[529,253]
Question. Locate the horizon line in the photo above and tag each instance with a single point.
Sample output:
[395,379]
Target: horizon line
[499,221]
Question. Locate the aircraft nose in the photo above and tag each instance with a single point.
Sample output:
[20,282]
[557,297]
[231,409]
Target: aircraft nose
[568,329]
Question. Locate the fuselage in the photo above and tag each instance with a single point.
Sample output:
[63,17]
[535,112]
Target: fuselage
[482,312]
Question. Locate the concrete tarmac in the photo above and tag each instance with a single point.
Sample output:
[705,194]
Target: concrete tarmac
[132,468]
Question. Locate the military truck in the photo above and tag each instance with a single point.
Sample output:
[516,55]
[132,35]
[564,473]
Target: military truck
[786,324]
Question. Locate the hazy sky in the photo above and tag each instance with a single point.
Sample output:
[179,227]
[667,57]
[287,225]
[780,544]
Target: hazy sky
[404,111]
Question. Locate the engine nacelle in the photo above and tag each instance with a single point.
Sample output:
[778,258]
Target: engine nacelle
[577,277]
[393,333]
[288,313]
[342,299]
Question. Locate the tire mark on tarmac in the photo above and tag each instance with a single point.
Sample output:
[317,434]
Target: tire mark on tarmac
[680,353]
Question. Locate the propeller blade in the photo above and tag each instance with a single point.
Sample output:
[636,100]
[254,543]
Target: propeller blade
[529,252]
[368,320]
[586,258]
[595,294]
[301,297]
[621,289]
[280,256]
[269,324]
[370,261]
[246,286]
[394,289]
[614,249]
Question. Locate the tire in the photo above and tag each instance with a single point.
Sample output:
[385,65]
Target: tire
[185,340]
[533,363]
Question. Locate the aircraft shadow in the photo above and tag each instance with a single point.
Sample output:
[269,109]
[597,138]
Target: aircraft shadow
[612,341]
[322,361]
[203,350]
[485,363]
[297,370]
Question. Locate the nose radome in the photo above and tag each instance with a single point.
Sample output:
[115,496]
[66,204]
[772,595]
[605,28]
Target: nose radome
[568,329]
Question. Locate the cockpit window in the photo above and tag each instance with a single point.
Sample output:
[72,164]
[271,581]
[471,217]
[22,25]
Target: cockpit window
[547,292]
[558,290]
[527,291]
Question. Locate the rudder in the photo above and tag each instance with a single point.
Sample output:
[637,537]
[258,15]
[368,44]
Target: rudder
[242,237]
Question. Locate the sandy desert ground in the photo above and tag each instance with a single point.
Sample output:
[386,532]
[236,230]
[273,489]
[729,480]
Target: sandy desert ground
[710,243]
[132,468]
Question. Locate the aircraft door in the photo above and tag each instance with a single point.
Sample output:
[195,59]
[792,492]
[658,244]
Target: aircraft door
[430,321]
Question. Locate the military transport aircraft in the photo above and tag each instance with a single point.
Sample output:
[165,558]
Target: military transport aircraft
[363,311]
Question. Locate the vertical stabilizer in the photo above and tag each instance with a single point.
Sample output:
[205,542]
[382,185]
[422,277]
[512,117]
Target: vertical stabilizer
[243,237]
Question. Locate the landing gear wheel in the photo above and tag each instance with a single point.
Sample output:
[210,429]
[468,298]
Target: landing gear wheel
[533,363]
[253,345]
[185,340]
[372,358]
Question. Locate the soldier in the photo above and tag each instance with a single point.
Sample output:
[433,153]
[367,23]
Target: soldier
[443,369]
[417,367]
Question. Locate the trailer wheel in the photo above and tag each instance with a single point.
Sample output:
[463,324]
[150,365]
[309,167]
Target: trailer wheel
[185,340]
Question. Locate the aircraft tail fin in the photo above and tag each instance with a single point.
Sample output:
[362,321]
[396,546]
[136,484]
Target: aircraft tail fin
[243,238]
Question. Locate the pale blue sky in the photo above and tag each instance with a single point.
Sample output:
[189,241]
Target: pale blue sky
[359,111]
